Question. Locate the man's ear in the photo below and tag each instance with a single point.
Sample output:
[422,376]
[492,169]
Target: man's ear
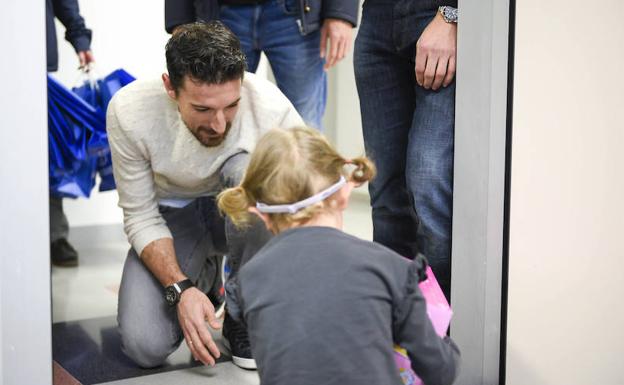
[263,216]
[169,87]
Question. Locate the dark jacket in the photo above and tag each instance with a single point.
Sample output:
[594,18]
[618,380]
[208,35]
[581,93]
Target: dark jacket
[311,12]
[76,33]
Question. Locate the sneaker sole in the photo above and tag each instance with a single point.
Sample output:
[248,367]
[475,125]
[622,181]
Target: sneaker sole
[241,362]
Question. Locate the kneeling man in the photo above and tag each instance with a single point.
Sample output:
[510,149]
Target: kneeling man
[176,143]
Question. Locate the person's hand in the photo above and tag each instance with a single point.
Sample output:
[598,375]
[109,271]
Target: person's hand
[194,309]
[338,32]
[436,54]
[85,58]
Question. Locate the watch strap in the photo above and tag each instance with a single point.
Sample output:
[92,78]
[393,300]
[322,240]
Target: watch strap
[449,14]
[182,285]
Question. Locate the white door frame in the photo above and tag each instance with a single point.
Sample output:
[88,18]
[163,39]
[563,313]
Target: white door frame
[479,206]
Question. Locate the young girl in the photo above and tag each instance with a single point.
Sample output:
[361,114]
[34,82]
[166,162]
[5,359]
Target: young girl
[322,306]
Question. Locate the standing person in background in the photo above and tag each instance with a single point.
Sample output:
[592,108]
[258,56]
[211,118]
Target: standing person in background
[301,39]
[405,81]
[67,11]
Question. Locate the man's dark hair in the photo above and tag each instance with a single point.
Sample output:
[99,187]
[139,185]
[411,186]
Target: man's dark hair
[206,53]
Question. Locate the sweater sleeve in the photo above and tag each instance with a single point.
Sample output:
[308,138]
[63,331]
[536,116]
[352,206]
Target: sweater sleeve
[435,360]
[291,118]
[143,222]
[76,33]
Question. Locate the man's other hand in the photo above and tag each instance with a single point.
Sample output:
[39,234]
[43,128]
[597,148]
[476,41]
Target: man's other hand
[436,52]
[85,58]
[338,32]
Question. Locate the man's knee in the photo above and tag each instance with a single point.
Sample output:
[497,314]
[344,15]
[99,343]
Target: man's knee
[147,349]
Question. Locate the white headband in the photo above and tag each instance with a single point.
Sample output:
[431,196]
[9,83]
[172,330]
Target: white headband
[294,207]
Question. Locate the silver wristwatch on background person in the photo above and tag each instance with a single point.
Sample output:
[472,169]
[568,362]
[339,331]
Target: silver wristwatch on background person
[449,14]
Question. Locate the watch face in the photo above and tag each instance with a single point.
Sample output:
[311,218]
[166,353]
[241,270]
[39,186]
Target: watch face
[171,295]
[450,14]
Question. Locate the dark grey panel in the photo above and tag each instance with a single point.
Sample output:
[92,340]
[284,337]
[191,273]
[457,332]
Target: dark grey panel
[90,350]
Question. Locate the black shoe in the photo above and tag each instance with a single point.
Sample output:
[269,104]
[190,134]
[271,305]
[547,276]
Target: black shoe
[236,339]
[210,283]
[63,253]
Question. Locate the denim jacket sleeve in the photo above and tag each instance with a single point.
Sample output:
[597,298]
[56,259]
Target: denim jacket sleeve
[341,9]
[76,33]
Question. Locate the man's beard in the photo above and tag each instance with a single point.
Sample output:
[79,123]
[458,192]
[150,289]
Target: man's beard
[209,137]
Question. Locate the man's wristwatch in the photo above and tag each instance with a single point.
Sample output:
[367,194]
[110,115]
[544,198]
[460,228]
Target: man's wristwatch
[173,292]
[449,14]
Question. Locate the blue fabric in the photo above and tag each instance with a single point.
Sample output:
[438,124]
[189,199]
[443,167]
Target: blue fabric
[77,141]
[408,133]
[271,28]
[99,95]
[72,126]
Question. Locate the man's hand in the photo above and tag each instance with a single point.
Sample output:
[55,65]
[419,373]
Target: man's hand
[338,32]
[436,54]
[85,58]
[194,309]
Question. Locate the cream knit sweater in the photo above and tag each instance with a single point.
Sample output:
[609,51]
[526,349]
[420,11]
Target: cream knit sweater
[156,157]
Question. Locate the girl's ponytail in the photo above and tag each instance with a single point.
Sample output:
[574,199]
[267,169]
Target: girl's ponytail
[364,170]
[234,202]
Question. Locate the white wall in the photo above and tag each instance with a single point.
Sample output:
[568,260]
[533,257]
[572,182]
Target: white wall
[127,34]
[342,121]
[24,234]
[566,257]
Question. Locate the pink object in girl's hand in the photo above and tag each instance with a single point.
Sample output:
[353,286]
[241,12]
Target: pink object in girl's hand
[439,313]
[405,367]
[438,308]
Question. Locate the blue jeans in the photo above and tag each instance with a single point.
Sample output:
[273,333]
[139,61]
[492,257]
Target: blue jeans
[271,28]
[408,133]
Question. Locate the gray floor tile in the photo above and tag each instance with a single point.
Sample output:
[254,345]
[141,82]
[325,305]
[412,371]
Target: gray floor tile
[222,374]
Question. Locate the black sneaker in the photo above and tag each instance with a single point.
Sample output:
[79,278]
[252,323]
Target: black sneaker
[211,283]
[236,339]
[63,253]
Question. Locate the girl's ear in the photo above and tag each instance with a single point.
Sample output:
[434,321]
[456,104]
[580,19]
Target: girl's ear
[263,216]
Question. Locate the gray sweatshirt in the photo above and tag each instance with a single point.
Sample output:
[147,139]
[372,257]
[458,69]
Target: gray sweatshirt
[324,307]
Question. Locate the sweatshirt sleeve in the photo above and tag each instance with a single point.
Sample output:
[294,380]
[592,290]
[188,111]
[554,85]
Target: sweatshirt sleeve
[434,359]
[76,33]
[143,222]
[290,117]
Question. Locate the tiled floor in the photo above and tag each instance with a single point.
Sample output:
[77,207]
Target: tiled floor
[84,301]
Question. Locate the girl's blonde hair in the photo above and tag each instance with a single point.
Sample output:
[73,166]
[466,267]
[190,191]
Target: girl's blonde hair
[288,166]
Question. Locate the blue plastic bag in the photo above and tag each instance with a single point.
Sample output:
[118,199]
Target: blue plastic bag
[78,144]
[72,125]
[98,94]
